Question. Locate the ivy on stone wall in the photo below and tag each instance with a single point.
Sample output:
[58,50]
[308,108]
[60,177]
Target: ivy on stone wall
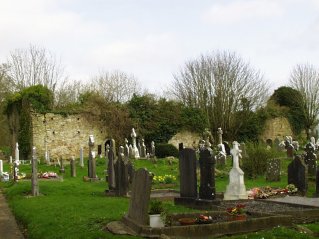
[38,98]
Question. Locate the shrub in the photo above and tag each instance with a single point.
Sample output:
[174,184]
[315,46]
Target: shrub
[156,207]
[165,150]
[256,162]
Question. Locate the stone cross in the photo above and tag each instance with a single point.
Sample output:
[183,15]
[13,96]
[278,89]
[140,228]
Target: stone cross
[81,158]
[136,154]
[73,167]
[34,177]
[236,188]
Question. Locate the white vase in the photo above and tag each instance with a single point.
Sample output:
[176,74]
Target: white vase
[156,220]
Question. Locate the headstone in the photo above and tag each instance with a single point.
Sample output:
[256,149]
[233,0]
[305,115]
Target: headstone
[273,170]
[17,153]
[236,188]
[290,151]
[141,190]
[81,158]
[1,167]
[139,148]
[10,159]
[220,135]
[91,161]
[16,165]
[207,188]
[121,174]
[310,159]
[143,149]
[130,151]
[34,177]
[110,167]
[297,174]
[152,153]
[187,171]
[130,171]
[107,150]
[73,167]
[135,153]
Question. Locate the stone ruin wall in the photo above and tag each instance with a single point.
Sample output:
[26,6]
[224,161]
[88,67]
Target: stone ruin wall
[276,128]
[185,137]
[65,135]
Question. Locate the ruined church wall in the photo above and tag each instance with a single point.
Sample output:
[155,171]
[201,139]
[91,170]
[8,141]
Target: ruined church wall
[65,135]
[276,128]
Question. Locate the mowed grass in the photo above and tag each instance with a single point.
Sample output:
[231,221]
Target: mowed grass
[72,208]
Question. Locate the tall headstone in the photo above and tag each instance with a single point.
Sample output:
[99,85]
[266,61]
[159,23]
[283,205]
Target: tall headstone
[207,188]
[73,167]
[187,171]
[273,170]
[81,158]
[236,188]
[139,202]
[1,167]
[152,152]
[17,153]
[91,161]
[297,174]
[121,174]
[34,177]
[135,153]
[110,168]
[310,159]
[143,149]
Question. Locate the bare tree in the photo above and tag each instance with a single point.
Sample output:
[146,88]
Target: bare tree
[305,79]
[68,93]
[32,66]
[217,84]
[115,86]
[6,85]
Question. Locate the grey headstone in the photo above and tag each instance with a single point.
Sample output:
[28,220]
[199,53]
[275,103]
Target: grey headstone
[110,168]
[273,170]
[81,158]
[310,159]
[207,174]
[73,167]
[34,177]
[121,174]
[152,152]
[187,171]
[297,174]
[141,191]
[143,149]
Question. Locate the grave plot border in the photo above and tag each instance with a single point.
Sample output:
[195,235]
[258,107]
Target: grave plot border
[261,222]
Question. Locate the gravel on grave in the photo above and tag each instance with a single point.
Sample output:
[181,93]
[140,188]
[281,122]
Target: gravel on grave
[262,206]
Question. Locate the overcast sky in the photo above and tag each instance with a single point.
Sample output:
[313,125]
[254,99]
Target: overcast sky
[152,39]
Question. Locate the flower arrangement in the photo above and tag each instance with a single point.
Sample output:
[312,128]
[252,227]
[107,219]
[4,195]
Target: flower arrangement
[166,179]
[239,209]
[156,207]
[291,188]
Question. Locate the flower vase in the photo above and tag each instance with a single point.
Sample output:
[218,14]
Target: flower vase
[156,220]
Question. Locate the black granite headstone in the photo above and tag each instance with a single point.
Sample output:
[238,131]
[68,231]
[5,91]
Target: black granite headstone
[187,170]
[297,174]
[207,189]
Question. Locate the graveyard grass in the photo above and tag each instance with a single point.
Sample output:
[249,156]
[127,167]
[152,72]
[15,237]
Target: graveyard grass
[71,208]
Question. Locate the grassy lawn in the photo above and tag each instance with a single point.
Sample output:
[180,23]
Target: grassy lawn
[72,208]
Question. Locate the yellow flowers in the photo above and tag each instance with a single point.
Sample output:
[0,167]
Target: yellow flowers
[166,179]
